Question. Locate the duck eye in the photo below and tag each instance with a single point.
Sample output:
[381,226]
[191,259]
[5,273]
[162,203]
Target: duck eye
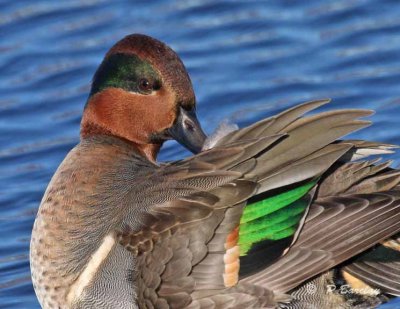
[145,85]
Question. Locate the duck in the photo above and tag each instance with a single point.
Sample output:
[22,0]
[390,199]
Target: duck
[249,222]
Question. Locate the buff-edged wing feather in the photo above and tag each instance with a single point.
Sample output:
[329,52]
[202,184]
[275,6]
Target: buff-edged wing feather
[379,267]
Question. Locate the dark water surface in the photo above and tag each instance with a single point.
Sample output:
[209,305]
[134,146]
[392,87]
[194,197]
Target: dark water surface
[247,60]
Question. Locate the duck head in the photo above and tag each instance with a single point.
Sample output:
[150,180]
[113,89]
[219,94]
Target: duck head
[142,93]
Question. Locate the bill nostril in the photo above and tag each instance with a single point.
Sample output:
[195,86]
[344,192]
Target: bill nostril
[188,125]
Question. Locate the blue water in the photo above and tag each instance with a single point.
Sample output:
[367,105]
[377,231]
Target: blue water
[247,60]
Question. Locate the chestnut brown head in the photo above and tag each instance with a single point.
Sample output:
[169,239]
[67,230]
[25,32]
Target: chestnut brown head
[142,93]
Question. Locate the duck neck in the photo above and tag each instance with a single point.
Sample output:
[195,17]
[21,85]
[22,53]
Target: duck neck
[149,151]
[146,150]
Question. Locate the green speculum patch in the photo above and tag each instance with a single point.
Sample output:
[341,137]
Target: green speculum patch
[273,218]
[123,71]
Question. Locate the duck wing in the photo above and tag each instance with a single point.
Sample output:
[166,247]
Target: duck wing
[375,267]
[336,229]
[190,232]
[378,267]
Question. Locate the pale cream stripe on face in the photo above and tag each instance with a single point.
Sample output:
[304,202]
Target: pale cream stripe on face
[91,268]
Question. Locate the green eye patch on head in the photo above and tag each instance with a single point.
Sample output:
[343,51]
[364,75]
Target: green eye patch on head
[127,72]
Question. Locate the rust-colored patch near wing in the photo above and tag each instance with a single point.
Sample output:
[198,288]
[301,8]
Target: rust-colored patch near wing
[231,259]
